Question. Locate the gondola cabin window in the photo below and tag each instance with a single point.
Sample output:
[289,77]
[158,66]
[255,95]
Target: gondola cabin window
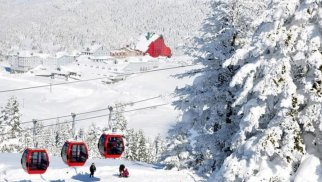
[24,160]
[101,144]
[38,161]
[64,152]
[78,153]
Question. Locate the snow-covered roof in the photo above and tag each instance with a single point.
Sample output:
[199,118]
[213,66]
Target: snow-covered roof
[40,70]
[100,57]
[4,64]
[145,40]
[44,56]
[61,54]
[124,49]
[92,48]
[82,58]
[25,54]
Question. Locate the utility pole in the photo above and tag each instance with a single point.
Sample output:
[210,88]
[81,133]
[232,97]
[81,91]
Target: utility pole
[110,108]
[34,121]
[73,126]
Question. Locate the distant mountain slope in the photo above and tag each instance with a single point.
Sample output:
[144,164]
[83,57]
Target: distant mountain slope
[71,24]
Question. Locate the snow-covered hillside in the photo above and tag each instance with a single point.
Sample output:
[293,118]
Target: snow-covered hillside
[107,170]
[81,97]
[50,26]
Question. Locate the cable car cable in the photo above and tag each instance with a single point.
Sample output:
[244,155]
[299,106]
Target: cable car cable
[93,117]
[86,80]
[93,111]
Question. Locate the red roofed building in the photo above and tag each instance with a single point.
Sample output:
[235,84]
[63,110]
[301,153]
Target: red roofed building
[158,48]
[153,45]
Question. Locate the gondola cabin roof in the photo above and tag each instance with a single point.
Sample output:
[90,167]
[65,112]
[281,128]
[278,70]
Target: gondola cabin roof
[113,132]
[36,149]
[74,142]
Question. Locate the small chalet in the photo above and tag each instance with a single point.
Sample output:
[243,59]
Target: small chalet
[153,45]
[95,50]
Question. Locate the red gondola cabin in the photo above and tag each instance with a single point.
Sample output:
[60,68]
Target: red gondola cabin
[35,161]
[111,145]
[74,153]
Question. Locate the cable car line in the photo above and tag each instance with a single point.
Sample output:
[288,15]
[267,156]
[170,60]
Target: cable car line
[92,79]
[88,118]
[92,111]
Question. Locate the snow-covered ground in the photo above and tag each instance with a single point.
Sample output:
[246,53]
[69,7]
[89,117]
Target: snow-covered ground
[86,96]
[107,170]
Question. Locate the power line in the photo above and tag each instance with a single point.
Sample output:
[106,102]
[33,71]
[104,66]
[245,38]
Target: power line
[92,111]
[86,80]
[93,117]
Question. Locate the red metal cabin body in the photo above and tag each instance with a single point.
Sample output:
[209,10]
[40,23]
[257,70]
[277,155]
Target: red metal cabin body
[158,48]
[35,161]
[111,145]
[74,153]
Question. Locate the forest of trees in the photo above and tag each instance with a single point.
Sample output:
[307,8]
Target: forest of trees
[35,25]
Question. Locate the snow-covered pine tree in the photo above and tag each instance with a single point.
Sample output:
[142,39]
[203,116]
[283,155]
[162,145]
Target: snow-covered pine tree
[49,141]
[91,139]
[138,147]
[130,145]
[158,148]
[12,116]
[3,127]
[45,138]
[40,135]
[62,132]
[81,134]
[203,138]
[12,140]
[279,95]
[118,118]
[143,153]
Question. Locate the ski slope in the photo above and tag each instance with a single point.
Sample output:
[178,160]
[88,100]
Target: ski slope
[86,96]
[107,170]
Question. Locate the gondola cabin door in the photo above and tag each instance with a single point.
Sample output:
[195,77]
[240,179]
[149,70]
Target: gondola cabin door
[74,153]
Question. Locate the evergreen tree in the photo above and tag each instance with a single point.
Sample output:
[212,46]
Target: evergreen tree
[81,134]
[91,140]
[118,118]
[130,145]
[62,132]
[158,148]
[142,150]
[12,139]
[11,117]
[278,95]
[202,139]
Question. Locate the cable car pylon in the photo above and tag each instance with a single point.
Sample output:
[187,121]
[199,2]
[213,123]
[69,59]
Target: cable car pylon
[74,153]
[111,143]
[35,160]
